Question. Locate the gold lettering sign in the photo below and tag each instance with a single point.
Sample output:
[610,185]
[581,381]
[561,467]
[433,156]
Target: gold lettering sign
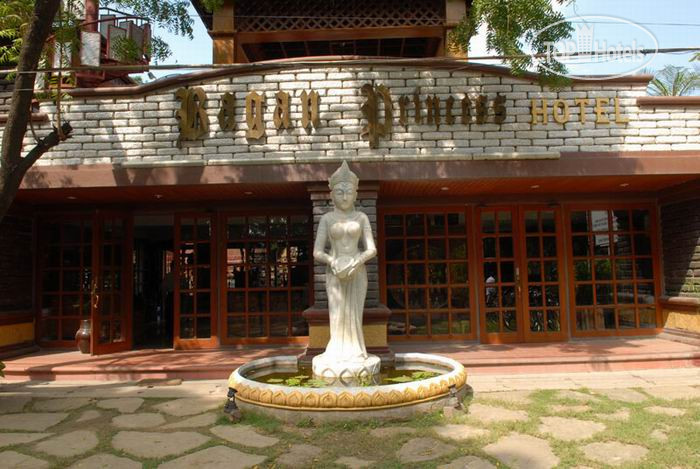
[561,114]
[536,111]
[560,111]
[403,110]
[481,109]
[432,104]
[193,121]
[309,109]
[281,114]
[466,111]
[417,106]
[227,118]
[254,115]
[582,103]
[449,118]
[499,109]
[370,110]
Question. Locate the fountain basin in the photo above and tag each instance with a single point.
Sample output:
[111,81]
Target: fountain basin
[352,402]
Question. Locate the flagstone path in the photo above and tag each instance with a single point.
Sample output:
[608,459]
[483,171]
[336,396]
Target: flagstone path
[126,427]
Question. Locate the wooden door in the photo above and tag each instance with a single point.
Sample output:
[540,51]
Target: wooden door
[195,318]
[111,286]
[520,274]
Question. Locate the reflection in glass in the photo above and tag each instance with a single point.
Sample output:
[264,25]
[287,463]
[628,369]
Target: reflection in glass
[415,225]
[507,272]
[488,222]
[394,274]
[393,225]
[505,246]
[439,324]
[645,293]
[458,273]
[437,274]
[508,297]
[456,223]
[642,244]
[509,322]
[551,293]
[644,269]
[551,271]
[537,321]
[579,222]
[459,298]
[647,318]
[438,298]
[620,220]
[415,249]
[416,298]
[580,246]
[626,318]
[604,294]
[531,222]
[640,220]
[532,246]
[534,295]
[489,247]
[436,249]
[461,323]
[585,320]
[395,298]
[505,224]
[584,295]
[492,323]
[623,269]
[418,324]
[603,269]
[625,293]
[458,249]
[416,274]
[623,245]
[534,273]
[397,324]
[436,224]
[553,321]
[606,317]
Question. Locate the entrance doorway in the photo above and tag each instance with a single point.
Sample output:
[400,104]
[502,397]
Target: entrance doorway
[521,268]
[153,281]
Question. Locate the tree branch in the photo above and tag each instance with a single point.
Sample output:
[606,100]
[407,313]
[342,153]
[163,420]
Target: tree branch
[44,145]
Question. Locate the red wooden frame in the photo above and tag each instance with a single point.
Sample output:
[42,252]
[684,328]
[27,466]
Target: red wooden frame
[614,281]
[426,261]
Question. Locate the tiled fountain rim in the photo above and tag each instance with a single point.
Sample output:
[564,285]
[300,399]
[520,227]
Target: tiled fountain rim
[348,398]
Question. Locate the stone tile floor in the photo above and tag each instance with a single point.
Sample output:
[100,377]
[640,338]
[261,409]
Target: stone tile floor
[641,419]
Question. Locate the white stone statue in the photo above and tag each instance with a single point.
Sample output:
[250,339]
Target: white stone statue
[344,228]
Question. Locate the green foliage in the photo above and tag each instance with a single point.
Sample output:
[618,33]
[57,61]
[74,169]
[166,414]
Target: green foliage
[14,21]
[674,81]
[511,25]
[415,376]
[300,381]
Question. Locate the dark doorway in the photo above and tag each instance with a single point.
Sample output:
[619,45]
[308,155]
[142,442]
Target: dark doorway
[153,281]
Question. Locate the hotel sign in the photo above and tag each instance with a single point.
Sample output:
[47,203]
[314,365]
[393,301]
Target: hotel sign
[378,111]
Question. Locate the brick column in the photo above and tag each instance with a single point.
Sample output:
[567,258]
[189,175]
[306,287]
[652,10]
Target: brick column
[375,315]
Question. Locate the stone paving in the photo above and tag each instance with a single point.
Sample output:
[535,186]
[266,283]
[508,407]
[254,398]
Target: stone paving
[119,425]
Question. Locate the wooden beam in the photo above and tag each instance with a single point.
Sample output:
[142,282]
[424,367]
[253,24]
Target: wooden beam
[347,34]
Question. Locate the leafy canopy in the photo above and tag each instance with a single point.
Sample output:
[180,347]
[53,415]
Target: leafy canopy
[511,25]
[674,81]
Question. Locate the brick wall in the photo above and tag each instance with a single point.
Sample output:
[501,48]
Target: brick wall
[143,130]
[16,264]
[680,225]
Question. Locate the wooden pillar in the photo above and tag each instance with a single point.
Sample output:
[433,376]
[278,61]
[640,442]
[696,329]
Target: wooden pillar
[92,15]
[222,34]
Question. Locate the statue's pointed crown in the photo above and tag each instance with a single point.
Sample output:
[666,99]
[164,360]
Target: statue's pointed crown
[343,174]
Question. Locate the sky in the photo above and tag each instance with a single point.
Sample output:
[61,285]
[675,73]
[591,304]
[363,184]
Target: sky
[674,23]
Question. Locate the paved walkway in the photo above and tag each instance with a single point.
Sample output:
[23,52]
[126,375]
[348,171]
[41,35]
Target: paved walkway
[647,418]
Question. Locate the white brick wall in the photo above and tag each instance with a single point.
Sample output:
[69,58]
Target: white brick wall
[144,129]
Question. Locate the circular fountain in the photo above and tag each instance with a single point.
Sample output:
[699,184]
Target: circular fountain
[345,382]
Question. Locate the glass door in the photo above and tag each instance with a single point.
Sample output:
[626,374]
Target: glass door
[194,298]
[520,256]
[111,286]
[499,294]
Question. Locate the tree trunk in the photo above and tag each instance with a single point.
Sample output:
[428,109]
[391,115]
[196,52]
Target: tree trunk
[12,166]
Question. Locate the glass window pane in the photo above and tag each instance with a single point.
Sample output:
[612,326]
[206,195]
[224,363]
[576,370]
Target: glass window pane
[581,246]
[640,220]
[257,227]
[279,301]
[534,295]
[236,228]
[393,225]
[505,246]
[439,324]
[203,327]
[599,220]
[553,321]
[299,275]
[257,326]
[458,249]
[551,271]
[508,297]
[551,293]
[642,245]
[436,249]
[436,224]
[456,223]
[625,293]
[437,274]
[235,326]
[505,223]
[623,245]
[620,220]
[491,297]
[416,298]
[579,222]
[186,303]
[537,321]
[582,270]
[459,298]
[394,249]
[644,268]
[604,294]
[490,272]
[203,229]
[510,323]
[395,298]
[603,269]
[187,327]
[488,222]
[461,323]
[606,318]
[397,324]
[301,226]
[623,269]
[585,320]
[235,302]
[394,274]
[257,302]
[534,273]
[278,226]
[549,246]
[531,222]
[299,325]
[548,221]
[647,318]
[489,247]
[626,318]
[438,298]
[492,322]
[415,225]
[507,272]
[204,303]
[584,295]
[415,249]
[416,274]
[418,324]
[601,245]
[645,293]
[279,325]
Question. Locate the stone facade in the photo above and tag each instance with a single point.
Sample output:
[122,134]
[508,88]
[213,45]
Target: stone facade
[142,130]
[680,232]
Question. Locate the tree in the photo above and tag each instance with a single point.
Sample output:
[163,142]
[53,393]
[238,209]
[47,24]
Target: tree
[513,24]
[25,26]
[674,81]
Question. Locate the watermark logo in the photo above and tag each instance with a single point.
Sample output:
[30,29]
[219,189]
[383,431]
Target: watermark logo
[611,47]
